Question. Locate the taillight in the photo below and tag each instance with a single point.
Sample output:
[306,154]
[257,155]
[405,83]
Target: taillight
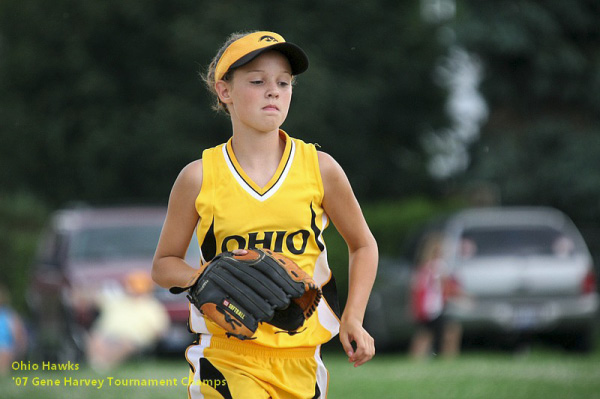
[588,285]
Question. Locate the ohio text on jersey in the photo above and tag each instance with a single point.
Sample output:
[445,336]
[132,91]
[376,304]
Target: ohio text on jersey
[286,216]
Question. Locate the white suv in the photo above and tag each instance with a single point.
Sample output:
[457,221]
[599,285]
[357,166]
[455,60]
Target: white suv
[521,270]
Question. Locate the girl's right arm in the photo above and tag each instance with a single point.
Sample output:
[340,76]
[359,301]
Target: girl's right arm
[168,267]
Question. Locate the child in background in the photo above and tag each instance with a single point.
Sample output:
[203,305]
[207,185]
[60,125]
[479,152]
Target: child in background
[128,323]
[13,335]
[435,333]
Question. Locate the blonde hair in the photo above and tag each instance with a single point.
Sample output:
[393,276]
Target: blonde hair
[209,76]
[430,247]
[138,283]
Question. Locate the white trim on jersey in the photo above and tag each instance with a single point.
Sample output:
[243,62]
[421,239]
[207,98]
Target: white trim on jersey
[322,275]
[324,222]
[267,194]
[197,321]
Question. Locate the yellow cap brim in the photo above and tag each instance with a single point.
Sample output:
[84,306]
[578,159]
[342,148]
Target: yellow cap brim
[247,48]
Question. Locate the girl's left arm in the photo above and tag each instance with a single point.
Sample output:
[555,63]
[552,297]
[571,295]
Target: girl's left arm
[343,209]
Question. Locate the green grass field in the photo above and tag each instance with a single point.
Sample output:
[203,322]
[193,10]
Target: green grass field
[542,374]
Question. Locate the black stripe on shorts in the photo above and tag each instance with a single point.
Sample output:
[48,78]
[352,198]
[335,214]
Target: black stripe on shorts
[209,375]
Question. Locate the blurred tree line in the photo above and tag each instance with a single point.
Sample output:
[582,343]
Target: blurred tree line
[541,142]
[101,101]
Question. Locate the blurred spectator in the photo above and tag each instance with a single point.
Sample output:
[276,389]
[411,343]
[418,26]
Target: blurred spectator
[13,335]
[127,324]
[563,247]
[435,333]
[468,248]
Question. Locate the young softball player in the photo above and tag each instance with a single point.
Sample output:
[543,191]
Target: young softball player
[264,189]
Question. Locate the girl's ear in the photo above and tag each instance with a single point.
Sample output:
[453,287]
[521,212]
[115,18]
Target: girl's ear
[222,89]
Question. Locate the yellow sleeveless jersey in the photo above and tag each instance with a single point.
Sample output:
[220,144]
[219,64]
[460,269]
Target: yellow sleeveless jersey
[285,216]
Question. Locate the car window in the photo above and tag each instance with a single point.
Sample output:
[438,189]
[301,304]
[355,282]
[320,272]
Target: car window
[115,242]
[529,240]
[52,249]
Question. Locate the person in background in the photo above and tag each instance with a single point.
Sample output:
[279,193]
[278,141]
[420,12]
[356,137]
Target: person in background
[435,332]
[127,324]
[13,335]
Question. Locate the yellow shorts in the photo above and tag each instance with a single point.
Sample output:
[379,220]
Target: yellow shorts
[226,368]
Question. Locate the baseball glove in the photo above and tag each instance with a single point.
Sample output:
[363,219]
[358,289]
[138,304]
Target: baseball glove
[239,291]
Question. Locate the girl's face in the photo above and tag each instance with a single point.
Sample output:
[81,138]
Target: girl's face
[260,92]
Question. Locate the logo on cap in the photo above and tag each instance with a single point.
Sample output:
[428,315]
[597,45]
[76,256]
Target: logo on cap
[268,39]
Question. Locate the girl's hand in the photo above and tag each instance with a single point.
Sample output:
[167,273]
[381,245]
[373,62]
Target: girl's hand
[353,331]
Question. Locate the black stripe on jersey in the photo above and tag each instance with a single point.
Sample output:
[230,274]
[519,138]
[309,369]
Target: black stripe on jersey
[287,161]
[315,229]
[209,244]
[331,296]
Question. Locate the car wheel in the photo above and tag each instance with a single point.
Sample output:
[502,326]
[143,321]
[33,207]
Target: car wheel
[581,341]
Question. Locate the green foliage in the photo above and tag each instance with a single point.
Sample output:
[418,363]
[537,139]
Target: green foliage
[542,83]
[560,166]
[101,101]
[540,56]
[95,105]
[21,220]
